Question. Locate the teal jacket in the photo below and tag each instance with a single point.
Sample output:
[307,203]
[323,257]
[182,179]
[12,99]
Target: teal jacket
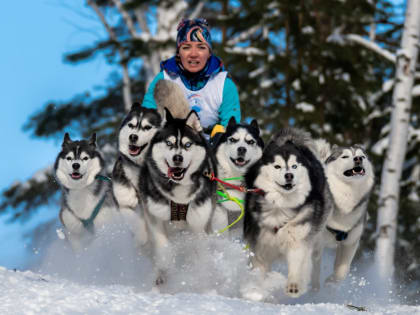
[229,106]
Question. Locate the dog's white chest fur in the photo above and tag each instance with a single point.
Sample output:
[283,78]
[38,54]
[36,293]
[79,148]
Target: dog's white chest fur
[132,173]
[183,194]
[347,198]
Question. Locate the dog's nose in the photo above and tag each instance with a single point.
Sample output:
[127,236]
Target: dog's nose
[241,151]
[177,158]
[358,160]
[289,177]
[76,166]
[133,138]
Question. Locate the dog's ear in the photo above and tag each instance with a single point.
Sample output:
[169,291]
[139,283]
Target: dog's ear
[231,123]
[135,106]
[254,124]
[167,116]
[66,139]
[92,140]
[193,121]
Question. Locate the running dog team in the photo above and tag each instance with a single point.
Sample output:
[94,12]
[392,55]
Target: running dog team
[305,194]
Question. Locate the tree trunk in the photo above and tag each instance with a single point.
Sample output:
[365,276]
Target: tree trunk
[394,158]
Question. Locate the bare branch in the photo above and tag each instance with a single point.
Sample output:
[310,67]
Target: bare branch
[126,17]
[101,16]
[123,63]
[141,19]
[197,10]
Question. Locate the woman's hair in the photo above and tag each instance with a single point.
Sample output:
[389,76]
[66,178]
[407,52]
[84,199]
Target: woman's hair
[195,30]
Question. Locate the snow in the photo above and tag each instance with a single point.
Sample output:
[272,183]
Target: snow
[209,275]
[305,107]
[308,30]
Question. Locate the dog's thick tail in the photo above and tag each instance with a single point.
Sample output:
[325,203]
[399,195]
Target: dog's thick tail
[168,94]
[294,135]
[321,148]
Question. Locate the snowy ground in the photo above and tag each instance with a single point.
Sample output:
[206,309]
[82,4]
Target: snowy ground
[207,277]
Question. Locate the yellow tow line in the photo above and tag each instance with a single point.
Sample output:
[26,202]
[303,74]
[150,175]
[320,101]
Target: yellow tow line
[223,192]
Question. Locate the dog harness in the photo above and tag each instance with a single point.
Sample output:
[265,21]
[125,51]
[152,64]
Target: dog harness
[88,223]
[178,211]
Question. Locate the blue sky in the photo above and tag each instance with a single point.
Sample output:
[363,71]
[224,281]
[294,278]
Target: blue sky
[34,37]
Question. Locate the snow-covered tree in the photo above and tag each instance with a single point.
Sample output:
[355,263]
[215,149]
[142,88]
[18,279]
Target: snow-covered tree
[392,169]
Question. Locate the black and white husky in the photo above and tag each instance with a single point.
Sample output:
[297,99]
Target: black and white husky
[136,131]
[351,178]
[87,202]
[287,217]
[236,151]
[174,185]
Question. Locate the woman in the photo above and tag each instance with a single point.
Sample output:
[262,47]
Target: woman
[201,75]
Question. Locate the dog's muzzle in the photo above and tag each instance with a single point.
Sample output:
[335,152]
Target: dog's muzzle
[356,171]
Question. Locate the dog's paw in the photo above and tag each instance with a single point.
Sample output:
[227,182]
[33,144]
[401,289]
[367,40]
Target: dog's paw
[293,289]
[160,279]
[332,281]
[315,287]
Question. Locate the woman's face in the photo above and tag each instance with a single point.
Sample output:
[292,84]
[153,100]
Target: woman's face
[194,56]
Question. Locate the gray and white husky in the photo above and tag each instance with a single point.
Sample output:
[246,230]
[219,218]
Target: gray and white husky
[287,218]
[136,131]
[236,151]
[351,178]
[174,184]
[87,202]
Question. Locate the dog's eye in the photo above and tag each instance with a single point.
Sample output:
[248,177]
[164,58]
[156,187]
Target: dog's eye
[169,143]
[363,157]
[277,166]
[85,158]
[147,127]
[250,142]
[131,125]
[345,157]
[294,166]
[188,144]
[233,140]
[68,158]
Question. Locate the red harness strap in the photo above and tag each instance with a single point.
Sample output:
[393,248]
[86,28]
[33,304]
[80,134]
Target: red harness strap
[240,188]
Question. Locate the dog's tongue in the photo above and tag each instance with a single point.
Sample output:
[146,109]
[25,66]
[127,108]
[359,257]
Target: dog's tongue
[359,170]
[174,171]
[240,161]
[76,175]
[133,150]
